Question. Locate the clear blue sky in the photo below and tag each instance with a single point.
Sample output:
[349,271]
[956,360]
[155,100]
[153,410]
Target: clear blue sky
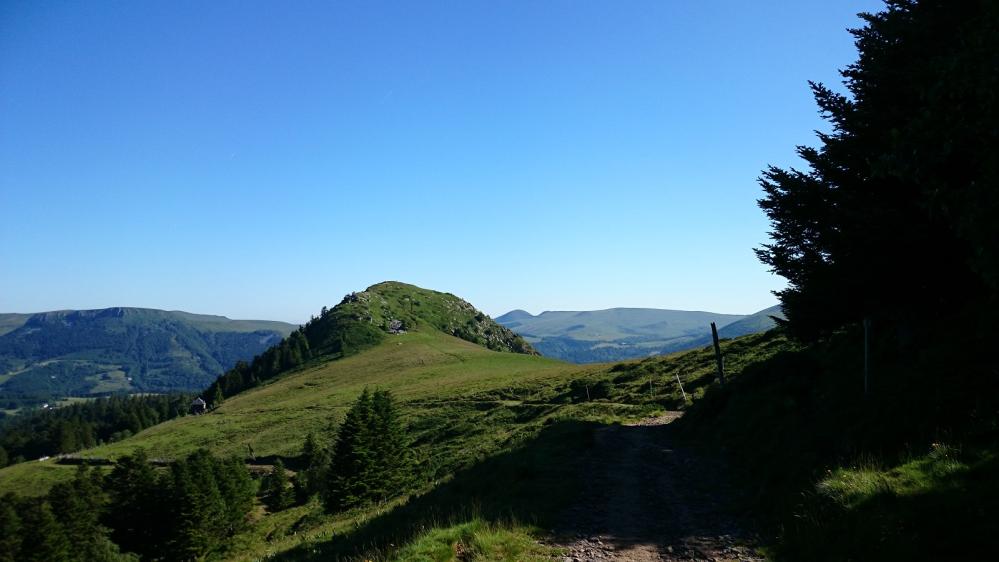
[262,159]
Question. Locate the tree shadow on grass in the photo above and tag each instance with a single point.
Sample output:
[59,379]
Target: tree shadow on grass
[627,485]
[529,484]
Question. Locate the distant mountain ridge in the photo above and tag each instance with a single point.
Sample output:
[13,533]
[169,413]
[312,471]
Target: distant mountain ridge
[50,355]
[615,334]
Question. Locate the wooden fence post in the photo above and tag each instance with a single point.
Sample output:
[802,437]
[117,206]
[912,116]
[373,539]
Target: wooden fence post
[718,355]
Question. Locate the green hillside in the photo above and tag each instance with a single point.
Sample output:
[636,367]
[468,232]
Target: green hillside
[50,355]
[468,409]
[12,321]
[753,324]
[618,333]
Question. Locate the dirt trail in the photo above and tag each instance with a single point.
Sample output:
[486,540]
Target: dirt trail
[651,500]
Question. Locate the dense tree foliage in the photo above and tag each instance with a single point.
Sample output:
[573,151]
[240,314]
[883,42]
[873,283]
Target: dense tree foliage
[370,461]
[315,460]
[84,424]
[896,213]
[183,513]
[63,526]
[275,489]
[293,351]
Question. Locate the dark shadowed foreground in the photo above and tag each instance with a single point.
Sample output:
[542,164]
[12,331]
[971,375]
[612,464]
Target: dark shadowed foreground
[649,498]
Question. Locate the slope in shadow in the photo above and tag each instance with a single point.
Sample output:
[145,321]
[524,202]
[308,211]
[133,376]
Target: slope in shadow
[650,497]
[528,484]
[606,491]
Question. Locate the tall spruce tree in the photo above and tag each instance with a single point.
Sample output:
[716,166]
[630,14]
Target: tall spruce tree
[349,477]
[138,505]
[78,506]
[237,490]
[392,462]
[277,494]
[896,214]
[42,537]
[316,460]
[370,460]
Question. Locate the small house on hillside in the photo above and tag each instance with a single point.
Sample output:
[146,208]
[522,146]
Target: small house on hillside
[199,406]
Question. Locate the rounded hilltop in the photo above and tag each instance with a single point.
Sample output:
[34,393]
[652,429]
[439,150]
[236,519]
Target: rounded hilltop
[365,318]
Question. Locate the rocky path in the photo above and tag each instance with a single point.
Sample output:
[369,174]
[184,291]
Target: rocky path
[651,500]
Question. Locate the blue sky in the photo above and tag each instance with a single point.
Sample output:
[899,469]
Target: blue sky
[262,159]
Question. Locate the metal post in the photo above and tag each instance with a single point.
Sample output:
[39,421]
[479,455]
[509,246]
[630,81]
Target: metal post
[681,386]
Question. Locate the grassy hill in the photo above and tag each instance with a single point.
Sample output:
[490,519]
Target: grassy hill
[753,324]
[494,431]
[626,333]
[50,355]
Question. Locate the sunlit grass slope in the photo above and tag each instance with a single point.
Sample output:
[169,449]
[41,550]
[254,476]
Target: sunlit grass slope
[274,419]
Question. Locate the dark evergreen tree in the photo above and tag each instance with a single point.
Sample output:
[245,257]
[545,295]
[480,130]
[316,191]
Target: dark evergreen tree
[370,460]
[237,490]
[216,396]
[316,460]
[137,505]
[42,537]
[349,477]
[78,506]
[10,529]
[896,213]
[277,494]
[392,462]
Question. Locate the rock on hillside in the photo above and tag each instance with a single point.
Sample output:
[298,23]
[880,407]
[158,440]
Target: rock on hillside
[364,319]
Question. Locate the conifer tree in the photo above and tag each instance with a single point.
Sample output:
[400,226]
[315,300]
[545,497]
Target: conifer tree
[349,478]
[392,464]
[10,529]
[42,537]
[217,397]
[370,460]
[312,479]
[236,488]
[277,494]
[136,506]
[895,219]
[77,506]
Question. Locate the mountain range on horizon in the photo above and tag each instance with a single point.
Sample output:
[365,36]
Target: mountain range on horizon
[52,355]
[614,334]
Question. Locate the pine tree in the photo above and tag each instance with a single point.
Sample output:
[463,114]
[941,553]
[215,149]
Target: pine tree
[392,461]
[137,507]
[237,491]
[43,539]
[217,397]
[10,529]
[370,459]
[278,495]
[349,478]
[899,202]
[312,480]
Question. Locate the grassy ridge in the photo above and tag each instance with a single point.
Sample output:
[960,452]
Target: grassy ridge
[494,434]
